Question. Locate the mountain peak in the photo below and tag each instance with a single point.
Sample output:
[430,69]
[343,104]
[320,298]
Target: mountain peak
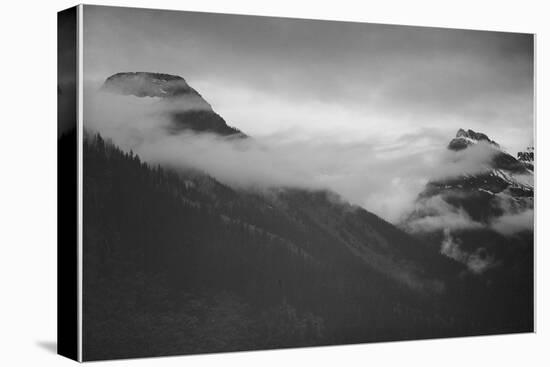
[500,160]
[185,107]
[472,135]
[465,138]
[148,84]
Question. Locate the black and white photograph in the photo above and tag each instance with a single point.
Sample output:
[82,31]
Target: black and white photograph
[275,183]
[254,182]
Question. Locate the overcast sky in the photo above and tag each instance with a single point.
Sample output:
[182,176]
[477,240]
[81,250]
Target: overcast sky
[402,85]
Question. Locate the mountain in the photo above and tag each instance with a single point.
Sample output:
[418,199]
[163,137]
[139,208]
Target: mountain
[464,139]
[505,184]
[485,221]
[188,110]
[177,262]
[501,159]
[145,84]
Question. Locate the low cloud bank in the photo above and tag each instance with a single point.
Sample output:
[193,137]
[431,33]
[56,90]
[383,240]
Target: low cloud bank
[510,224]
[369,172]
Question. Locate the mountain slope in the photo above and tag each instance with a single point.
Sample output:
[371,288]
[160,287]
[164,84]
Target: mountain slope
[298,268]
[286,268]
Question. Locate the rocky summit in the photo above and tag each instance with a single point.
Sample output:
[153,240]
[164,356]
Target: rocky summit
[145,84]
[186,108]
[465,138]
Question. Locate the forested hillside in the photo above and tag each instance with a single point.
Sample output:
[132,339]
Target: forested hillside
[176,262]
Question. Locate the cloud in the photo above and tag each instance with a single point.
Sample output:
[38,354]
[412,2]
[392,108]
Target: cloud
[512,223]
[475,159]
[517,214]
[436,215]
[382,175]
[477,262]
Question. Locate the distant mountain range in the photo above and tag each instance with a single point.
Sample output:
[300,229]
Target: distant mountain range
[194,265]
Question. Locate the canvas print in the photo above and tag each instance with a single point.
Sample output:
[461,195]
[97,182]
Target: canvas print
[256,182]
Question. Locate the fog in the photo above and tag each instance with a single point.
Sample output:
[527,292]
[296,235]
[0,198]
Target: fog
[442,216]
[383,176]
[512,223]
[476,261]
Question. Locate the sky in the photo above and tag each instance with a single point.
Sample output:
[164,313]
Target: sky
[378,96]
[265,75]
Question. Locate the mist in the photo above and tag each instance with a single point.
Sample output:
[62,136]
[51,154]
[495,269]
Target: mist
[477,261]
[369,172]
